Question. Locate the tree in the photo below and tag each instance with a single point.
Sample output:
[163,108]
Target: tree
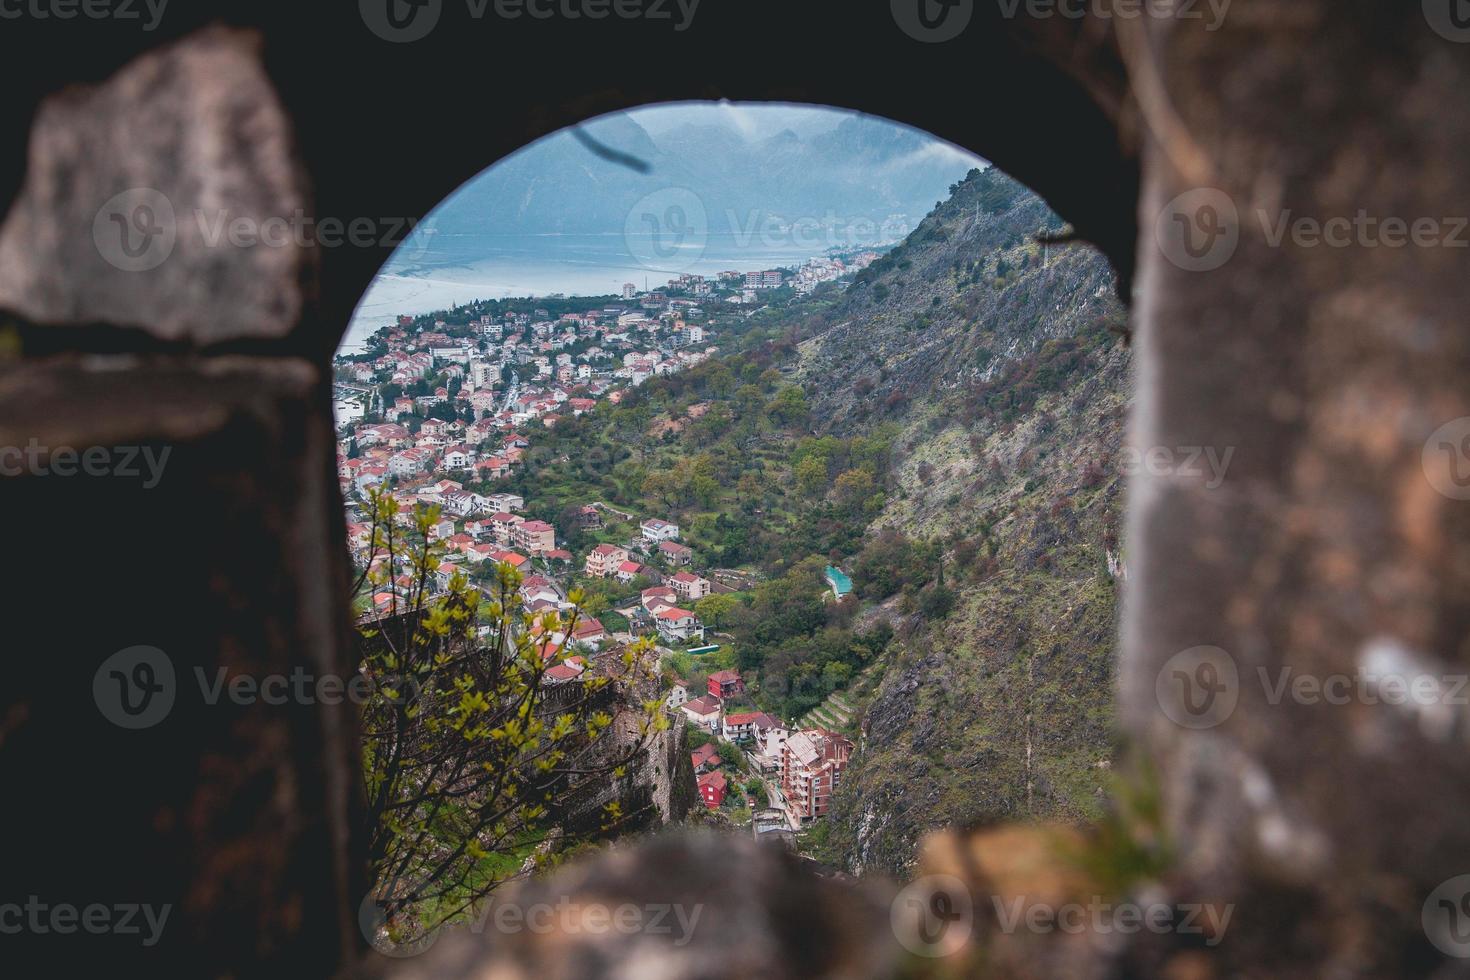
[789,406]
[468,755]
[854,487]
[714,609]
[811,476]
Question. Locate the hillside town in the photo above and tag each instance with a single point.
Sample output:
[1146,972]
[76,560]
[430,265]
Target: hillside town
[442,410]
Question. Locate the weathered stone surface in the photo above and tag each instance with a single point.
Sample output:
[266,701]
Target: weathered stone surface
[225,554]
[167,198]
[1327,552]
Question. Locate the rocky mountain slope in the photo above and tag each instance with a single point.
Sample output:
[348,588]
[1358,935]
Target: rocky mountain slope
[1000,364]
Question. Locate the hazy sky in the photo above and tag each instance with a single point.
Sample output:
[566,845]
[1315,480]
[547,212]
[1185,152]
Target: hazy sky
[756,120]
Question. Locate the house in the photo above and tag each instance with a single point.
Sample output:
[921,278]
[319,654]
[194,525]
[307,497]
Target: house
[690,586]
[678,694]
[589,631]
[748,725]
[724,683]
[478,553]
[463,502]
[658,595]
[655,530]
[562,673]
[706,758]
[457,458]
[493,468]
[389,434]
[629,570]
[678,624]
[838,581]
[703,711]
[604,560]
[812,762]
[712,788]
[537,537]
[590,518]
[408,462]
[539,588]
[506,501]
[509,558]
[503,526]
[444,573]
[675,553]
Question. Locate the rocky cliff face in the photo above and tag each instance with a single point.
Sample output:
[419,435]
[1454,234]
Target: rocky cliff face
[998,364]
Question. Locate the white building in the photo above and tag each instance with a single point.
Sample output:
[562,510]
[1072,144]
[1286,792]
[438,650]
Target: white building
[655,530]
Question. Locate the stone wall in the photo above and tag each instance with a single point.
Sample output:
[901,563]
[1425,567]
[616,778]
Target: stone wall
[1335,545]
